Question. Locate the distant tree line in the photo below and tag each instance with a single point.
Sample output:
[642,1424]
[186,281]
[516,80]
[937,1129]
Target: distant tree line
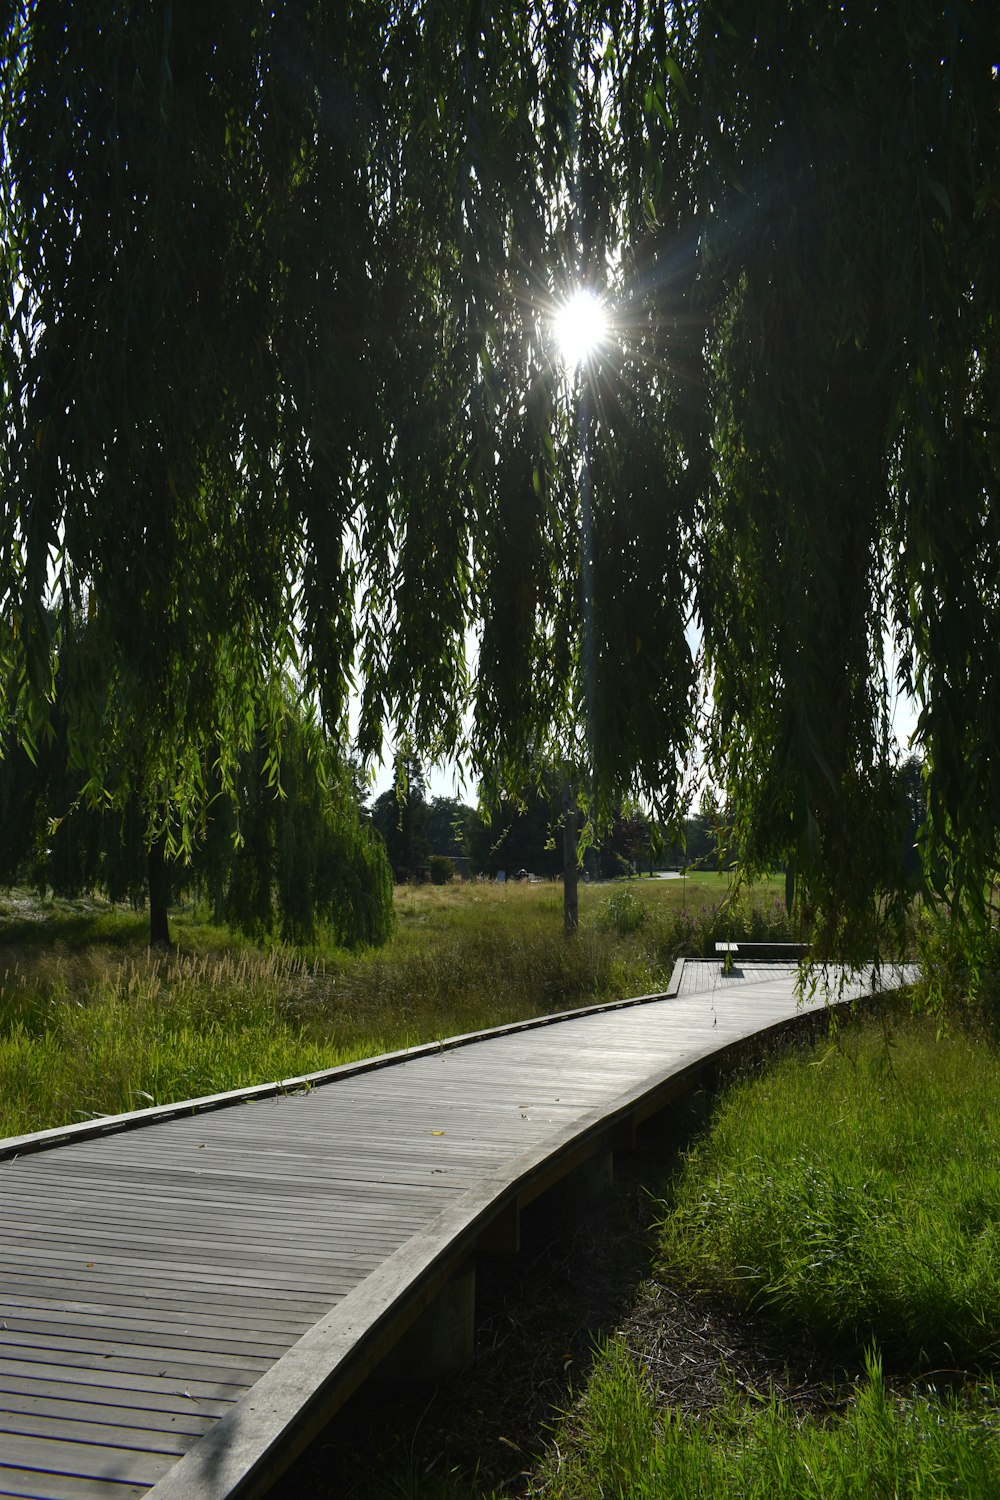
[523,834]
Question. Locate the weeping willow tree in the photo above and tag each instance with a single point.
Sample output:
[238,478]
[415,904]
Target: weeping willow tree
[280,394]
[295,861]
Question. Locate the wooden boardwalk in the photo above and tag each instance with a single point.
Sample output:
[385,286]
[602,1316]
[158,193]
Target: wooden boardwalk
[186,1298]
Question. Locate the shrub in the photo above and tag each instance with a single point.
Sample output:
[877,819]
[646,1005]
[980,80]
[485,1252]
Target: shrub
[441,868]
[623,912]
[961,968]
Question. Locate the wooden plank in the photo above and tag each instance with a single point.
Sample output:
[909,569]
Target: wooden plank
[166,1366]
[98,1199]
[258,1289]
[294,1174]
[86,1460]
[22,1484]
[143,1406]
[130,1382]
[153,1292]
[299,1271]
[262,1281]
[336,1190]
[386,1144]
[211,1247]
[306,1153]
[388,1213]
[82,1430]
[123,1313]
[391,1173]
[223,1196]
[140,1332]
[67,1344]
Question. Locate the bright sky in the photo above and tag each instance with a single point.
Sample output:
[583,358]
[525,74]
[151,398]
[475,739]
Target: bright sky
[580,325]
[441,781]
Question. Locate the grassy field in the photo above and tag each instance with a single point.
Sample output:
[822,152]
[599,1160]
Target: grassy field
[852,1196]
[92,1023]
[859,1193]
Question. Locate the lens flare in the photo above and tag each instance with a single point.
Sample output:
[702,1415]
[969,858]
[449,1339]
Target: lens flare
[580,326]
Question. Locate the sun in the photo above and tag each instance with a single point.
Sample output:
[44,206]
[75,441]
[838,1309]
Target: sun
[580,325]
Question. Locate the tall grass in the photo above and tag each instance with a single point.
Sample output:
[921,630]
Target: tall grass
[624,1448]
[853,1193]
[76,1042]
[857,1195]
[92,1023]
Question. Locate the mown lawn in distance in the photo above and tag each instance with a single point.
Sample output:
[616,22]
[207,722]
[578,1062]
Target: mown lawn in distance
[92,1023]
[853,1194]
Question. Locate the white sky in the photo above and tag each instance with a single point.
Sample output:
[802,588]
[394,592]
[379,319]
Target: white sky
[443,781]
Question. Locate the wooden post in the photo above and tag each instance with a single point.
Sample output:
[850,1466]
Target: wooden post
[159,894]
[443,1338]
[571,873]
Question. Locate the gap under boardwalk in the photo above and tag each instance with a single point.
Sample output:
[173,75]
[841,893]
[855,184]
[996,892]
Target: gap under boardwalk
[186,1300]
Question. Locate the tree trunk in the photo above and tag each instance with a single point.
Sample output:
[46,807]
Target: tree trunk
[159,886]
[571,873]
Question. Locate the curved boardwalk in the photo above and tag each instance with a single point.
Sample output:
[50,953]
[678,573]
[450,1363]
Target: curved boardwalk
[186,1299]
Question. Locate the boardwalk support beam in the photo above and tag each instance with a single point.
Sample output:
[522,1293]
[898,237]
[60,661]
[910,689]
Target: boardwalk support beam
[592,1180]
[502,1235]
[443,1338]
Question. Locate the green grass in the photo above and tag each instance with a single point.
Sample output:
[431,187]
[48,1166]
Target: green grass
[624,1448]
[76,1041]
[857,1195]
[92,1023]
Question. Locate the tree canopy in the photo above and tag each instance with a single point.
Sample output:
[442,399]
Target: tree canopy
[280,394]
[285,863]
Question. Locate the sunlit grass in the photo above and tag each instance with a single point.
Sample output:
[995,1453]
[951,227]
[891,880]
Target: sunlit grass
[851,1193]
[80,1038]
[857,1195]
[92,1023]
[622,1447]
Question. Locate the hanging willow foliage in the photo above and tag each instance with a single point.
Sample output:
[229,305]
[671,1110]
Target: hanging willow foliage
[280,393]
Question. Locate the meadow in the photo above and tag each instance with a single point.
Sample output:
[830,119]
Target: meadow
[92,1022]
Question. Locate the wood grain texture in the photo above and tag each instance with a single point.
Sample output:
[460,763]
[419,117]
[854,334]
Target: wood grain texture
[184,1300]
